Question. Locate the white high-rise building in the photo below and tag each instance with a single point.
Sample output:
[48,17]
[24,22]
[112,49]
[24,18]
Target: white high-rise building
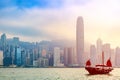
[80,41]
[56,56]
[106,50]
[1,57]
[117,57]
[112,54]
[93,55]
[99,51]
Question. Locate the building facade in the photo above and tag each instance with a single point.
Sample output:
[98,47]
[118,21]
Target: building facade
[1,57]
[56,56]
[93,55]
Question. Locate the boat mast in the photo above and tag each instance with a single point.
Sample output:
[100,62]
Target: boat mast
[102,58]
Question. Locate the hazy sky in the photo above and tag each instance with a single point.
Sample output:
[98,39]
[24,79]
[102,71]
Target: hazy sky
[35,20]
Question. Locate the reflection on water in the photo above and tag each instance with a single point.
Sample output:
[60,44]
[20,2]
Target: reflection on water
[54,74]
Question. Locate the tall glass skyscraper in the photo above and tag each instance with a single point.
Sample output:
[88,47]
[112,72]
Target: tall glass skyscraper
[18,56]
[80,41]
[3,44]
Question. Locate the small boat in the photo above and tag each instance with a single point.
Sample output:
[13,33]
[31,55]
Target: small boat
[99,69]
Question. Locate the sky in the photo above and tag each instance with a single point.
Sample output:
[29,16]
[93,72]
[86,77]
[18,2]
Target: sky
[36,20]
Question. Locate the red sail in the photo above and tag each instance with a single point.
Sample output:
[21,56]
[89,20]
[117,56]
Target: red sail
[109,63]
[88,63]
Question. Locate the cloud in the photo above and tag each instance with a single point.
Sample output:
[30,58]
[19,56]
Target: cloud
[20,31]
[56,19]
[46,21]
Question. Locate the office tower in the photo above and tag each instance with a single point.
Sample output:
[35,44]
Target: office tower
[29,56]
[62,56]
[80,41]
[71,56]
[99,51]
[56,56]
[3,44]
[50,56]
[23,57]
[112,54]
[12,52]
[93,55]
[18,56]
[3,39]
[35,54]
[1,57]
[106,49]
[51,60]
[35,57]
[117,61]
[65,56]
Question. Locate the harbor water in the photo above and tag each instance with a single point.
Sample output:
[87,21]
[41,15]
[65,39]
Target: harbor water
[54,74]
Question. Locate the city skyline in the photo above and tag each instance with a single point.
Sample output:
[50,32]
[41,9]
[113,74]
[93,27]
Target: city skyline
[16,53]
[47,53]
[45,20]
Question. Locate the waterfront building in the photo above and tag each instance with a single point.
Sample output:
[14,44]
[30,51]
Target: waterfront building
[1,57]
[56,56]
[117,57]
[3,44]
[18,56]
[35,63]
[112,54]
[107,51]
[93,55]
[99,51]
[23,57]
[65,56]
[43,62]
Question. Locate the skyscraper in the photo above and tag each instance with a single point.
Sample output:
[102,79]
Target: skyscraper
[117,57]
[80,41]
[3,44]
[18,56]
[93,55]
[65,56]
[3,40]
[56,56]
[99,51]
[106,49]
[1,57]
[71,56]
[112,54]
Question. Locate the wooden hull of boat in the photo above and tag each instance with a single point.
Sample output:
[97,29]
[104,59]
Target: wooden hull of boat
[94,70]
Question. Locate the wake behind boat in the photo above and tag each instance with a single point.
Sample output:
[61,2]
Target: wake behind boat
[99,69]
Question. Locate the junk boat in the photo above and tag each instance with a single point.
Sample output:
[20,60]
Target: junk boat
[100,68]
